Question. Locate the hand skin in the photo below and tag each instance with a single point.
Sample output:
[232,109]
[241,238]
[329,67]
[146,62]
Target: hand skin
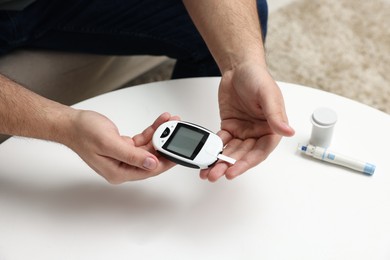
[117,158]
[253,120]
[252,111]
[91,135]
[253,116]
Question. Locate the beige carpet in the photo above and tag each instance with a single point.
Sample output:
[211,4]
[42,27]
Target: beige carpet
[340,46]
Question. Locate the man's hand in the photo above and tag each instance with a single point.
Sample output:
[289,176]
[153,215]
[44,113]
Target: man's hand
[253,116]
[117,158]
[253,119]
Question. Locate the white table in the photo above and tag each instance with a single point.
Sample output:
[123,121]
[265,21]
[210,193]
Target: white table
[52,206]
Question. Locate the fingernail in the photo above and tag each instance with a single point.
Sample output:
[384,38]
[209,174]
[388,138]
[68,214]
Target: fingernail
[150,163]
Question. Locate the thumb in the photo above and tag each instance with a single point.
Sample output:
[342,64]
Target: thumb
[279,125]
[127,153]
[275,113]
[140,158]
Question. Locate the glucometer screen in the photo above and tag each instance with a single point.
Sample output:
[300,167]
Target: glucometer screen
[186,141]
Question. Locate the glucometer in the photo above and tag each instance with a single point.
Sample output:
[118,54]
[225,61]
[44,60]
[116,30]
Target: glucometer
[189,144]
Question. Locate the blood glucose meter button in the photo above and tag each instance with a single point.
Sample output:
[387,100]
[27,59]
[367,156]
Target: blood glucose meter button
[165,133]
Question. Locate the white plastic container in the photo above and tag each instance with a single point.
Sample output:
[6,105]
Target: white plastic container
[323,120]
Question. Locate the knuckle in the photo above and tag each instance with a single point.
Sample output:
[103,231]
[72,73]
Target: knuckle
[131,158]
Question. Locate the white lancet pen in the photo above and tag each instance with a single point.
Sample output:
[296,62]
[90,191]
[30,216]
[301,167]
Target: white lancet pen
[335,158]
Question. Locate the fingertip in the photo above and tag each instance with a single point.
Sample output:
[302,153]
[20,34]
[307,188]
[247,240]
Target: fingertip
[236,170]
[217,171]
[225,136]
[150,163]
[281,127]
[202,177]
[166,116]
[203,174]
[287,130]
[176,117]
[141,158]
[230,175]
[212,178]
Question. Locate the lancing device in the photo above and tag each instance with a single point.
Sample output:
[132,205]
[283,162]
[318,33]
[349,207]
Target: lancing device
[331,157]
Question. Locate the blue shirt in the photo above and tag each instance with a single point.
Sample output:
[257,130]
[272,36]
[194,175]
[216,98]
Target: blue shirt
[14,4]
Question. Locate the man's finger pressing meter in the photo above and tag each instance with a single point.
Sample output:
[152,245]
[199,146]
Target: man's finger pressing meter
[189,144]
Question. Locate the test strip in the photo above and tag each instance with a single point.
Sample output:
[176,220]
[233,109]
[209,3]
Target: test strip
[226,158]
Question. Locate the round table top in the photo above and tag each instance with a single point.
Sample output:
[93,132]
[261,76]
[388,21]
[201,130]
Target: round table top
[53,206]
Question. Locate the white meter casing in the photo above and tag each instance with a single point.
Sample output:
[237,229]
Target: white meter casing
[187,144]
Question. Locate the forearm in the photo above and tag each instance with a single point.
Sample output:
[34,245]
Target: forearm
[25,113]
[231,29]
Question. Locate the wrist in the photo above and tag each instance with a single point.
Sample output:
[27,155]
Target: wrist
[55,123]
[244,65]
[25,113]
[232,60]
[60,124]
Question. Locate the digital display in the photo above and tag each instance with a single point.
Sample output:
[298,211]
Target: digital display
[186,141]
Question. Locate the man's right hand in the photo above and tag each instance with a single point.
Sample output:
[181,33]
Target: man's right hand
[117,158]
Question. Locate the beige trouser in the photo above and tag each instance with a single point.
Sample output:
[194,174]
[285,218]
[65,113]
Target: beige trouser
[70,78]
